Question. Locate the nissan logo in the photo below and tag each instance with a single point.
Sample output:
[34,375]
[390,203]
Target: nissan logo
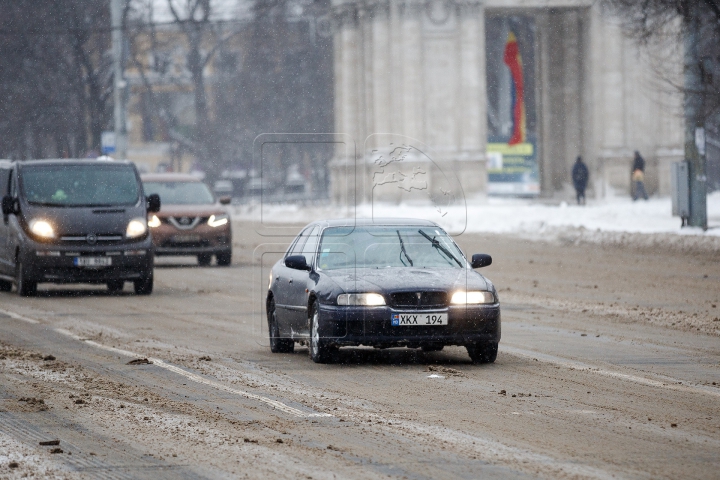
[184,221]
[91,238]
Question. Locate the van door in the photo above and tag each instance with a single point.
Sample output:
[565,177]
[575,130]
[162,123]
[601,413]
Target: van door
[5,267]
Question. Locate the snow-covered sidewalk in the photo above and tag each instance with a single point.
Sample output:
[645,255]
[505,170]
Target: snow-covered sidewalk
[598,221]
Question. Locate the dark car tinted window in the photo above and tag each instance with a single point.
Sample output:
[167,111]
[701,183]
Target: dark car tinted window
[311,246]
[94,184]
[4,181]
[299,243]
[180,193]
[381,247]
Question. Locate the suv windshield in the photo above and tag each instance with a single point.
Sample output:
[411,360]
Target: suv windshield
[387,246]
[181,193]
[88,185]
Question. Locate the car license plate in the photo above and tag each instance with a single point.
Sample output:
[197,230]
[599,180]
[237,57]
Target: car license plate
[93,261]
[418,319]
[186,238]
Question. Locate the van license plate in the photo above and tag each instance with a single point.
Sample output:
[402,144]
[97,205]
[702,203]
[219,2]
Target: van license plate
[93,261]
[418,319]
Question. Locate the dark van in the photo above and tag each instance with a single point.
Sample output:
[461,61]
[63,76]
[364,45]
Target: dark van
[74,221]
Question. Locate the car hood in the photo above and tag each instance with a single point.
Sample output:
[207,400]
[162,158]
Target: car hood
[407,279]
[190,210]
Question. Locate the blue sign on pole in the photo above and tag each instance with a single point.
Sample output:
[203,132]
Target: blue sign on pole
[107,142]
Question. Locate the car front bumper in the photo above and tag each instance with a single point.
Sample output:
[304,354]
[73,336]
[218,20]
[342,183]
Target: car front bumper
[169,240]
[56,263]
[372,326]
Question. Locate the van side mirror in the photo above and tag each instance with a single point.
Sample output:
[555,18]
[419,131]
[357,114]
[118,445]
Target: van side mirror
[480,260]
[225,200]
[153,203]
[9,205]
[297,262]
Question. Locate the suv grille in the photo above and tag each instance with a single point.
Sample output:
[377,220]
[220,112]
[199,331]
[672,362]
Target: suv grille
[419,299]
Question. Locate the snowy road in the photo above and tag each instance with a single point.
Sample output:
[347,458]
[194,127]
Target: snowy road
[609,366]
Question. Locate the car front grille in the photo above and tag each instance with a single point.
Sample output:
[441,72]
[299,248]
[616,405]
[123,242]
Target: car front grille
[419,299]
[91,239]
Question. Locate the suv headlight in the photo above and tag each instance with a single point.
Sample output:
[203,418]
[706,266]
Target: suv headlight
[474,298]
[154,222]
[218,220]
[136,228]
[365,299]
[42,229]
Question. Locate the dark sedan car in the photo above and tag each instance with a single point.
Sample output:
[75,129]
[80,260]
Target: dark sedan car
[381,283]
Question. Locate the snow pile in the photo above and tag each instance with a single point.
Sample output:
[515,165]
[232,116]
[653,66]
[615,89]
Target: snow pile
[615,220]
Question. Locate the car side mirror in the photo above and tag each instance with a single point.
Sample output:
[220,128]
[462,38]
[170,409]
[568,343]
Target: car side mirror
[225,200]
[297,262]
[9,205]
[153,203]
[480,260]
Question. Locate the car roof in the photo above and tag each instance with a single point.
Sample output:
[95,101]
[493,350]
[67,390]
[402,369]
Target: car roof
[377,222]
[71,161]
[169,177]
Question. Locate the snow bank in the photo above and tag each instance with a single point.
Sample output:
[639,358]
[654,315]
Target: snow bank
[616,220]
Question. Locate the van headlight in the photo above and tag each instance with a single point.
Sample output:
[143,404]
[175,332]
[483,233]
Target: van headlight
[472,298]
[136,228]
[363,299]
[218,220]
[42,229]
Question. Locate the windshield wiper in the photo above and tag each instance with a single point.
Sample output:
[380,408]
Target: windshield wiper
[402,250]
[439,246]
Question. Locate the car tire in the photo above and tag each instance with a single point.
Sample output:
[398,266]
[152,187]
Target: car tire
[319,348]
[224,259]
[5,286]
[115,286]
[277,344]
[431,347]
[25,286]
[204,259]
[482,352]
[144,286]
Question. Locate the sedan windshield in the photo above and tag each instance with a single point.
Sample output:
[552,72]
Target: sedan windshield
[181,193]
[91,185]
[388,246]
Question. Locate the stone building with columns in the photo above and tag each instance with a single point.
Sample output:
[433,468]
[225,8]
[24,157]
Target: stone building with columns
[419,84]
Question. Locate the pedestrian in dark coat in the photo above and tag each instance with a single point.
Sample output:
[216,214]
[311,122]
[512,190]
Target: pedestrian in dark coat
[638,177]
[580,176]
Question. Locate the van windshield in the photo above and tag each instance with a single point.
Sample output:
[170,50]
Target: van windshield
[91,185]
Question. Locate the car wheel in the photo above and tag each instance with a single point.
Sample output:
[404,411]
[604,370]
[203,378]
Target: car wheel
[277,344]
[320,349]
[482,352]
[25,287]
[5,286]
[115,286]
[144,286]
[204,259]
[432,347]
[223,258]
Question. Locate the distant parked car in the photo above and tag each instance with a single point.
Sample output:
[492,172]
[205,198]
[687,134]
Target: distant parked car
[192,220]
[381,283]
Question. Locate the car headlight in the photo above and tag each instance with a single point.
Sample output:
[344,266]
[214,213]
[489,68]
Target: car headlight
[465,298]
[154,222]
[218,220]
[365,299]
[42,229]
[136,228]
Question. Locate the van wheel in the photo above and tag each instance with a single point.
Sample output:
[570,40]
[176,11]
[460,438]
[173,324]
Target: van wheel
[5,286]
[144,286]
[204,259]
[223,258]
[115,286]
[25,287]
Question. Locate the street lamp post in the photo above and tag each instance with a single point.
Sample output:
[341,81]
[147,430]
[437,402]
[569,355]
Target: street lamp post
[119,83]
